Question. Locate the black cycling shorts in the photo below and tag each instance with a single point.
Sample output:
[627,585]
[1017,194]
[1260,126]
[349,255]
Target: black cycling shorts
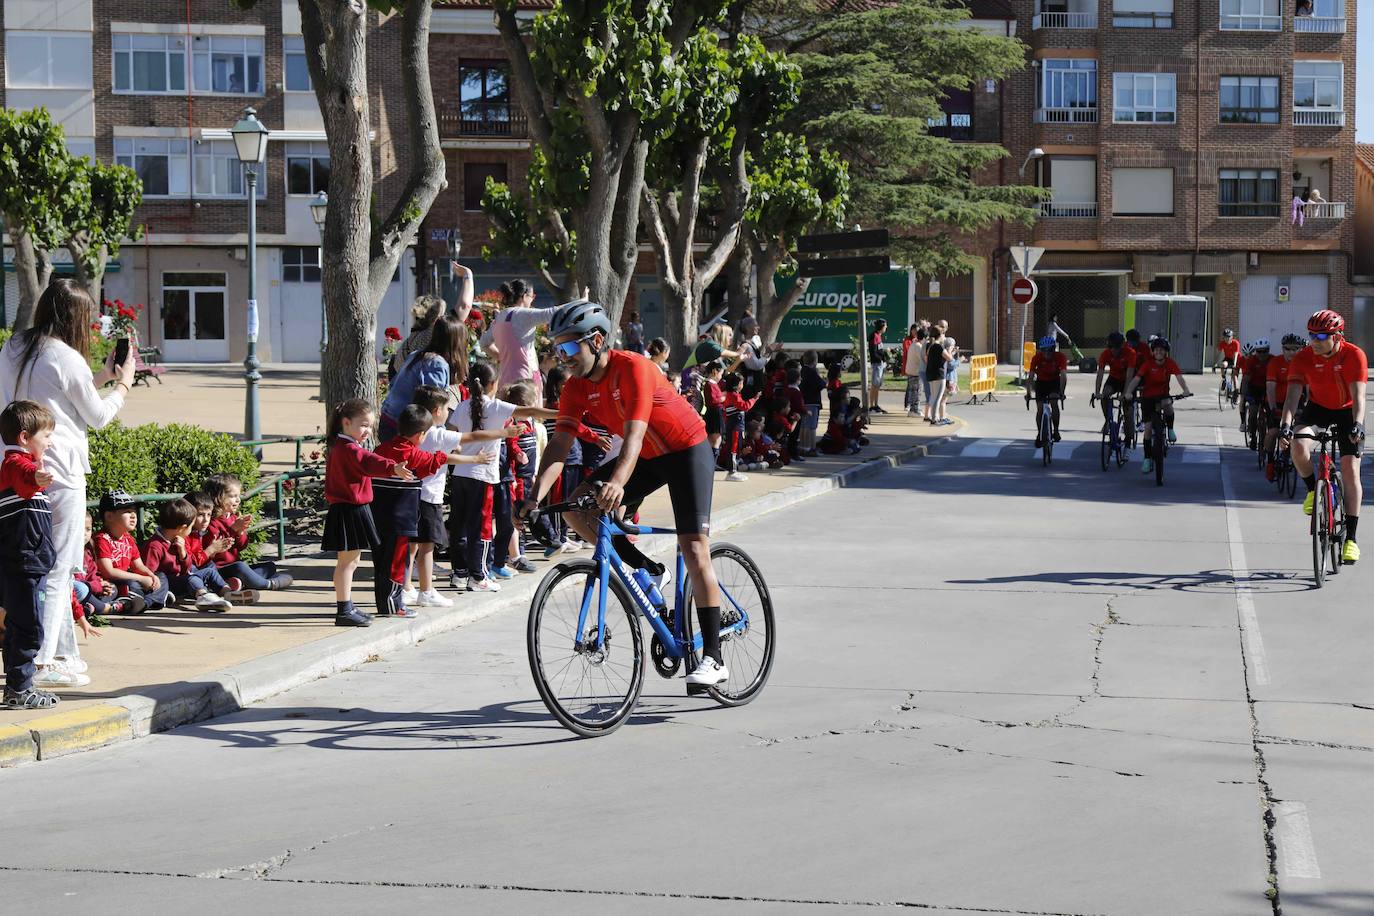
[1046,389]
[1111,386]
[1343,420]
[689,474]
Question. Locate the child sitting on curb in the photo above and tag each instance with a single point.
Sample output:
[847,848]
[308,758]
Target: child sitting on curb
[168,555]
[202,548]
[758,450]
[92,593]
[118,557]
[226,492]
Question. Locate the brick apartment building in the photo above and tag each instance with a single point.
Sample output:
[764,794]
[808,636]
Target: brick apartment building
[156,86]
[1175,137]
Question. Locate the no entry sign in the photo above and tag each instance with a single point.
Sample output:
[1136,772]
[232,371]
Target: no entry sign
[1023,291]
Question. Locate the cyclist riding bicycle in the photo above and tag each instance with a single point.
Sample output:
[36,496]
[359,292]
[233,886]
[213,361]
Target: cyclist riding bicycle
[1050,371]
[1247,352]
[1152,380]
[1276,392]
[1332,371]
[1117,362]
[1256,372]
[1228,353]
[664,444]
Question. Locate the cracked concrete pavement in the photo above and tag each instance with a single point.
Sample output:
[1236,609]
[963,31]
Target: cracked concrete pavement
[999,689]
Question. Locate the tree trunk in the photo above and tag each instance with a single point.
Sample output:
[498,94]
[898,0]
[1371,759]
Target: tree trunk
[33,269]
[91,277]
[773,308]
[358,261]
[739,282]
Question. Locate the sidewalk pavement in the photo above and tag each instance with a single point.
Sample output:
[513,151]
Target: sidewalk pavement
[160,670]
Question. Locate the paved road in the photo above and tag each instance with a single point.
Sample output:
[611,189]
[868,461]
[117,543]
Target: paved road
[1000,689]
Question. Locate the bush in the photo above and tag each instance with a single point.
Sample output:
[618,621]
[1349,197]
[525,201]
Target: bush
[5,334]
[121,459]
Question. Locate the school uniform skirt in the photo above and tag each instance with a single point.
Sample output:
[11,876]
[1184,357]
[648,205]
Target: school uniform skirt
[349,527]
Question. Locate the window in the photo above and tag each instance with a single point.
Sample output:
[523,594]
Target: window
[1144,98]
[217,171]
[475,177]
[162,165]
[307,168]
[1073,187]
[149,63]
[1068,90]
[226,63]
[1249,100]
[1251,15]
[1248,192]
[37,61]
[297,71]
[81,146]
[1142,192]
[1143,14]
[300,265]
[1318,84]
[956,116]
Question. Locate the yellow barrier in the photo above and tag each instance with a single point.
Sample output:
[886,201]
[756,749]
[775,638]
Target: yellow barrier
[983,377]
[1027,354]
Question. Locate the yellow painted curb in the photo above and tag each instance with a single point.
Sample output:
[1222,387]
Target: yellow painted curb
[16,745]
[79,730]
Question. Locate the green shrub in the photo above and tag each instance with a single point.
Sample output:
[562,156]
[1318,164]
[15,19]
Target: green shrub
[121,459]
[101,348]
[5,334]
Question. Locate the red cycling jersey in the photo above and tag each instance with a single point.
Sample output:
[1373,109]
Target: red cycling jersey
[1256,371]
[1229,350]
[633,388]
[1117,365]
[1048,368]
[1278,371]
[1154,377]
[1328,378]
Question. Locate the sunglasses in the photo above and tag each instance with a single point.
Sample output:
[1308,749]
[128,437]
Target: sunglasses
[1322,336]
[569,349]
[1291,349]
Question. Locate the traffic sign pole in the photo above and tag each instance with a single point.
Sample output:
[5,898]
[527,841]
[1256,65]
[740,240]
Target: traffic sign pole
[1023,292]
[863,340]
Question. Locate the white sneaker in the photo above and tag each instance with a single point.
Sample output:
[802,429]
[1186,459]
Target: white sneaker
[57,675]
[431,598]
[708,674]
[210,602]
[569,547]
[74,664]
[735,476]
[410,596]
[482,585]
[246,596]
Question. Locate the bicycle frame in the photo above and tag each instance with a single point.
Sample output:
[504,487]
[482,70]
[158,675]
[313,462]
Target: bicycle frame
[608,562]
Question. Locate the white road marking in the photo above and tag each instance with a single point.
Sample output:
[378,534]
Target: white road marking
[985,448]
[1245,602]
[1297,853]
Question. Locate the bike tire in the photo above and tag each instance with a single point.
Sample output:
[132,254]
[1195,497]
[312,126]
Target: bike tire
[1221,397]
[1336,542]
[1160,448]
[1046,440]
[1319,534]
[559,598]
[1120,454]
[1292,479]
[739,576]
[1106,448]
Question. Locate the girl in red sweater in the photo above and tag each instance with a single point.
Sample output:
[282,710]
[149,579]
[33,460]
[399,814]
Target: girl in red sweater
[348,473]
[226,524]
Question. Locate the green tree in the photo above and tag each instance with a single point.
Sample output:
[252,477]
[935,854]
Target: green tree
[101,220]
[597,79]
[361,248]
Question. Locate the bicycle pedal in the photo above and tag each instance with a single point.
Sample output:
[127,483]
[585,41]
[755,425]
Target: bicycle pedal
[697,690]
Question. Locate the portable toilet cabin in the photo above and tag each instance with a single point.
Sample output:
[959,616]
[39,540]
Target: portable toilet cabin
[1182,319]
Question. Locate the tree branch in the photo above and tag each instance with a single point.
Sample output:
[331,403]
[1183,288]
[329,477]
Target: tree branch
[527,89]
[658,238]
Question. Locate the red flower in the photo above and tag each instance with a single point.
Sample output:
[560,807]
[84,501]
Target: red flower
[289,486]
[315,455]
[393,333]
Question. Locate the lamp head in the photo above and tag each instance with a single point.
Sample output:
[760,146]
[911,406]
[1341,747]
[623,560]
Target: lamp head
[250,138]
[319,208]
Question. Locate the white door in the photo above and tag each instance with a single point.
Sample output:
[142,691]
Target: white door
[1263,315]
[301,305]
[194,317]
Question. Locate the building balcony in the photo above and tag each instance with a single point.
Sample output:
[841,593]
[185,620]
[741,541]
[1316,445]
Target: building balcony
[1331,211]
[1324,25]
[1318,117]
[1251,210]
[482,119]
[1064,21]
[1053,209]
[1066,116]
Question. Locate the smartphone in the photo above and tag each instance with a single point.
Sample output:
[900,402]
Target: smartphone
[121,352]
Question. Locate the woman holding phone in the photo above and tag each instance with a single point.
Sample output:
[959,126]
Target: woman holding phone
[49,363]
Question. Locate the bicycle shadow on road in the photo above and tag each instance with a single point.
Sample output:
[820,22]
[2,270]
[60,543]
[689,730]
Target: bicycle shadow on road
[1265,582]
[522,723]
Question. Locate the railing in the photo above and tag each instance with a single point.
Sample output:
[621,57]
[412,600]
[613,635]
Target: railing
[1318,117]
[1253,209]
[1066,116]
[1060,210]
[1325,209]
[1245,23]
[1329,25]
[482,119]
[299,441]
[1064,21]
[1143,20]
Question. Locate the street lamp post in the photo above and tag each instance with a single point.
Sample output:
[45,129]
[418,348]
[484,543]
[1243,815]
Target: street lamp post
[250,143]
[319,208]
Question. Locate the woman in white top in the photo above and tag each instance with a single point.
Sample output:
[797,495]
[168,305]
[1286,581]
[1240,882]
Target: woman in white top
[49,364]
[510,339]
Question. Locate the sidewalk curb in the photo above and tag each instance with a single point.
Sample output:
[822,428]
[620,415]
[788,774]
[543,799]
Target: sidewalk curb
[231,689]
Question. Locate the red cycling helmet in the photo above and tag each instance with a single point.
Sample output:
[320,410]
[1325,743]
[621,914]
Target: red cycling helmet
[1326,322]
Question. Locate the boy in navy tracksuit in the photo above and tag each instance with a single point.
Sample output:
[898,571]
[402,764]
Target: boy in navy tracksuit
[26,548]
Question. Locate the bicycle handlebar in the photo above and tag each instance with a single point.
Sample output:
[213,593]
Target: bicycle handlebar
[587,503]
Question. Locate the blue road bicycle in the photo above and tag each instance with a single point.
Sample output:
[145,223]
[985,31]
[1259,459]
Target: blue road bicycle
[585,647]
[1114,446]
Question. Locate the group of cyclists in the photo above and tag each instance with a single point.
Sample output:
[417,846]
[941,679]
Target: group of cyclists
[1316,383]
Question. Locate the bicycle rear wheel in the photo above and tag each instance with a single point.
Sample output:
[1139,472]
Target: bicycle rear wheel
[748,653]
[1046,439]
[1106,447]
[1292,473]
[590,691]
[1221,396]
[1320,533]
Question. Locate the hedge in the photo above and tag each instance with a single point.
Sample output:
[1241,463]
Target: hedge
[175,458]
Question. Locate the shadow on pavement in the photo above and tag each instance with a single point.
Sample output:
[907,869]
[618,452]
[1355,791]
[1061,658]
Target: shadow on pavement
[1219,579]
[1353,902]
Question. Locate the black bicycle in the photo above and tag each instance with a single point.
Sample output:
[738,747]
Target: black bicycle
[1159,432]
[1113,444]
[1046,425]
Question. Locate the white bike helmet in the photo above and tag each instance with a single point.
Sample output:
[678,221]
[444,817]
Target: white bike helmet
[1261,344]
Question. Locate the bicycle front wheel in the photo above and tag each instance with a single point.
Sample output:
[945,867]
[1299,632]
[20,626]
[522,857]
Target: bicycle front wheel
[1336,542]
[590,685]
[1046,439]
[1106,448]
[1320,532]
[1160,445]
[1221,396]
[748,650]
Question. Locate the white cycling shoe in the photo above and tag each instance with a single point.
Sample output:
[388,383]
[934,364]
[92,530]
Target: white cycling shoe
[709,673]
